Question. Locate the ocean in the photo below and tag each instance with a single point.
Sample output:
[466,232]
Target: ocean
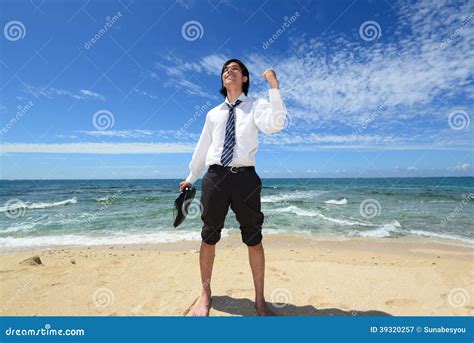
[47,213]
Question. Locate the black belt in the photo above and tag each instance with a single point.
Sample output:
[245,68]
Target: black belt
[231,169]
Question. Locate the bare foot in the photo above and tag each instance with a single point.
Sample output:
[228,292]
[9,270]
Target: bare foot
[202,307]
[263,309]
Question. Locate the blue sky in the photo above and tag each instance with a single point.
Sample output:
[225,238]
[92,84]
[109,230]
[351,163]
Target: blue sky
[120,89]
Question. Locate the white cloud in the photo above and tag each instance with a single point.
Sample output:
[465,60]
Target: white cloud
[3,109]
[192,88]
[361,147]
[463,167]
[343,83]
[285,138]
[210,64]
[119,133]
[168,136]
[50,92]
[181,73]
[87,93]
[187,4]
[149,95]
[398,87]
[339,82]
[300,140]
[97,148]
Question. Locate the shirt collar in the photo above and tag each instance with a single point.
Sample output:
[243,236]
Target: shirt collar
[242,97]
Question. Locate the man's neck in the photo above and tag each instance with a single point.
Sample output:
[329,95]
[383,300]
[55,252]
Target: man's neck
[233,94]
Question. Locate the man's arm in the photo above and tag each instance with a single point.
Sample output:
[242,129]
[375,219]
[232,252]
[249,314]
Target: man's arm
[198,160]
[270,116]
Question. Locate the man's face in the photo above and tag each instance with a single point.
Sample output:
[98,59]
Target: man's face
[233,75]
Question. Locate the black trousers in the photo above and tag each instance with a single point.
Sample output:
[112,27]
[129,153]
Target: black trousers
[222,188]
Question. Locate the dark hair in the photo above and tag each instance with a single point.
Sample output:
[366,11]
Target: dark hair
[245,72]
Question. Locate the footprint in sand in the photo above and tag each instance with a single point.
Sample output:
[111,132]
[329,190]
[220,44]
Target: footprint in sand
[319,302]
[187,311]
[400,302]
[238,291]
[138,310]
[281,274]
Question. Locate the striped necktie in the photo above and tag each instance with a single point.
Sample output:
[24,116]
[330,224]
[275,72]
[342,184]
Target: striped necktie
[229,140]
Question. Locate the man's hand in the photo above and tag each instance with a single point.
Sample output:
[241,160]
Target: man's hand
[271,78]
[183,185]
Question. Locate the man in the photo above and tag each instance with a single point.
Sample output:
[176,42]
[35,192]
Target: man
[227,145]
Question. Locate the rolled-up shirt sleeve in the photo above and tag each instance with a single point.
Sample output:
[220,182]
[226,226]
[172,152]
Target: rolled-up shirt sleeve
[270,116]
[198,161]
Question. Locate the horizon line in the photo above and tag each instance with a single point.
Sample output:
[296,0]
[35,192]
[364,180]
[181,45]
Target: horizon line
[266,178]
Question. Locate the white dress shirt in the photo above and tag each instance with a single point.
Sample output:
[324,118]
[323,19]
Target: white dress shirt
[250,116]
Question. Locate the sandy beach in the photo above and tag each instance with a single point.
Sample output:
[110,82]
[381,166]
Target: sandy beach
[304,276]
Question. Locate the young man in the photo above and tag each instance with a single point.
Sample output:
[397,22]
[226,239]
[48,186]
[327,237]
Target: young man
[227,145]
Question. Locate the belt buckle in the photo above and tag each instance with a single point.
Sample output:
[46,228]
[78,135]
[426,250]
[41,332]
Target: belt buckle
[233,170]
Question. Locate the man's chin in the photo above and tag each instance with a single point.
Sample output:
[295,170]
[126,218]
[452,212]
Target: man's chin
[231,83]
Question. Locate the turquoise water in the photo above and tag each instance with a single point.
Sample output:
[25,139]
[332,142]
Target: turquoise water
[88,212]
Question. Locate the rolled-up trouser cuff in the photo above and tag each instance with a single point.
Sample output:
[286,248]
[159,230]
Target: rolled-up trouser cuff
[252,239]
[210,236]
